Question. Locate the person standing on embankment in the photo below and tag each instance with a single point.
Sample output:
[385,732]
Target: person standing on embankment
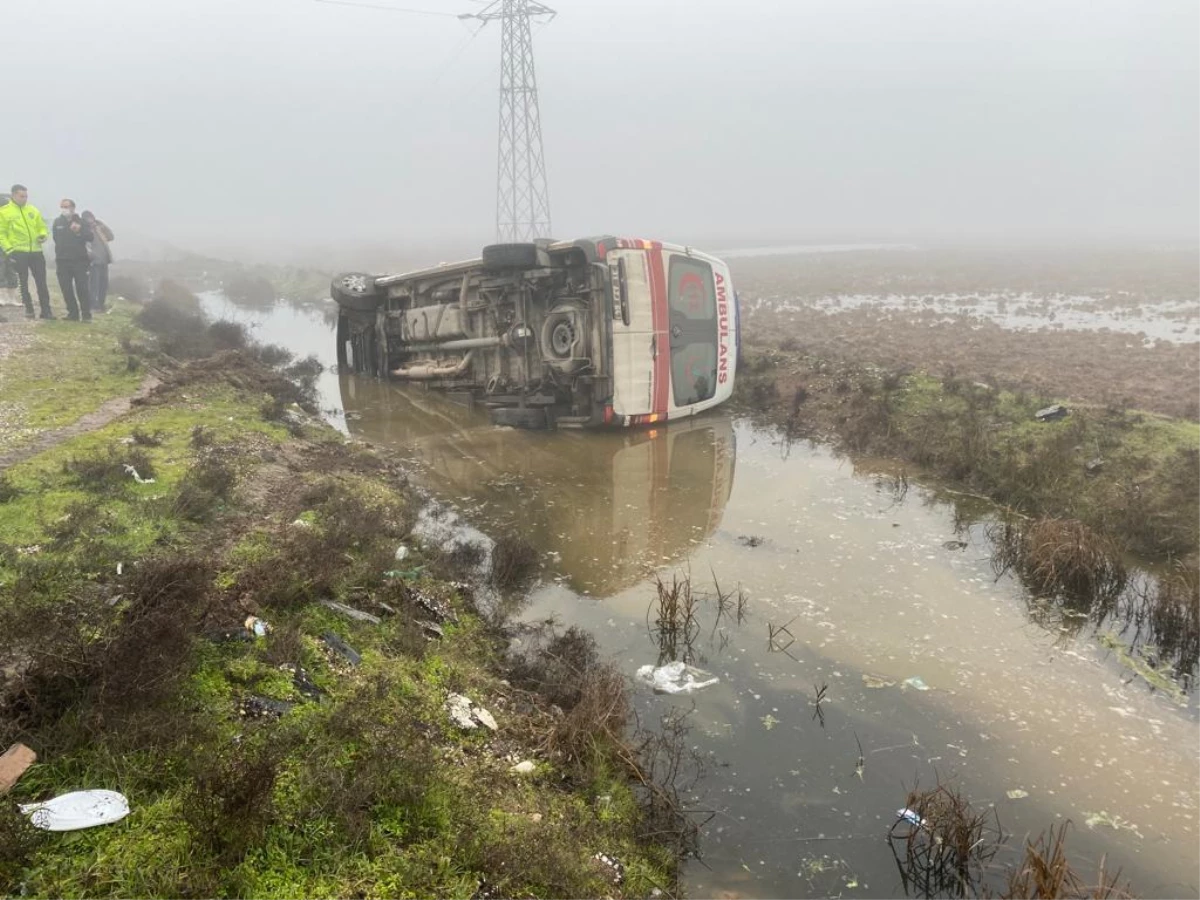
[101,255]
[22,233]
[71,238]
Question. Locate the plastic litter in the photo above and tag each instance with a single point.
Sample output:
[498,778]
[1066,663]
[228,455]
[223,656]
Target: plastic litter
[130,470]
[1017,794]
[341,648]
[1052,413]
[401,553]
[79,809]
[525,767]
[467,714]
[350,612]
[909,816]
[675,678]
[13,763]
[257,627]
[256,707]
[917,683]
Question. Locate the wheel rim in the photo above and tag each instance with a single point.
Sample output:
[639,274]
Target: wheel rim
[355,284]
[562,338]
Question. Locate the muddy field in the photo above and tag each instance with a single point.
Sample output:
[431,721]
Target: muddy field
[1107,326]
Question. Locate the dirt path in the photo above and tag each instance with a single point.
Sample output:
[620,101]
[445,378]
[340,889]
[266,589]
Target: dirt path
[15,335]
[108,411]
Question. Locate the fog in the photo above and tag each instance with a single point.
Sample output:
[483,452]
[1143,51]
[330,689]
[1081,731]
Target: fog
[294,129]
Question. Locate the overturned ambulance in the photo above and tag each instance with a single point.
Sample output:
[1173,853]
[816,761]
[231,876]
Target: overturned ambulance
[587,333]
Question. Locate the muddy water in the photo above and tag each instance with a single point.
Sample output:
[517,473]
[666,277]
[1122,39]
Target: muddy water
[861,594]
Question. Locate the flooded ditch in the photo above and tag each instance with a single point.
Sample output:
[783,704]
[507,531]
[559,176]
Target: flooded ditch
[875,650]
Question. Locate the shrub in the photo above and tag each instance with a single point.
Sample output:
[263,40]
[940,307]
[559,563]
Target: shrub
[205,486]
[514,562]
[104,470]
[132,289]
[1061,558]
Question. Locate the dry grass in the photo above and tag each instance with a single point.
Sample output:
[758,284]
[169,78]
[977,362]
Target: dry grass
[569,674]
[1175,615]
[1045,873]
[1061,558]
[676,626]
[949,853]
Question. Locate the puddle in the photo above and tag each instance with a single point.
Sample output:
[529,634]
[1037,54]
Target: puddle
[1163,321]
[919,655]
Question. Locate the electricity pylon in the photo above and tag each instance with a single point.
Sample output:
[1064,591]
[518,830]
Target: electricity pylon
[522,198]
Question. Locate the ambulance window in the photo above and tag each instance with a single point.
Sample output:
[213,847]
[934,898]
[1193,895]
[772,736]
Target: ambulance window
[693,307]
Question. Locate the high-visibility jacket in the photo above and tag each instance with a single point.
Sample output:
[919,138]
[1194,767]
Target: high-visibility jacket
[21,227]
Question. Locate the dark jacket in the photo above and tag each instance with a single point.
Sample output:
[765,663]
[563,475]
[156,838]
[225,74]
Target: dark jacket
[71,246]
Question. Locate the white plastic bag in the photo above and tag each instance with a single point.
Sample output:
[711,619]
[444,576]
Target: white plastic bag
[675,678]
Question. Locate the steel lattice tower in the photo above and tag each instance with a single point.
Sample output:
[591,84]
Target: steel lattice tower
[522,198]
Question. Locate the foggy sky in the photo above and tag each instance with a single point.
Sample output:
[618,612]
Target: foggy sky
[247,127]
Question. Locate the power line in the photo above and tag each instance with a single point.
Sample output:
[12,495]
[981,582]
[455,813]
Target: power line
[395,9]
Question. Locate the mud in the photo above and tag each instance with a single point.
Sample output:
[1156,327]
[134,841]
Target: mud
[1106,327]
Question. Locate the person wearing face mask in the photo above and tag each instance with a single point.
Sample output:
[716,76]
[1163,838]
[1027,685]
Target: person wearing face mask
[71,238]
[22,233]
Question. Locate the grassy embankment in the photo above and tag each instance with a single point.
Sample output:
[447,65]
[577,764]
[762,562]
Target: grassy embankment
[277,765]
[69,370]
[1078,494]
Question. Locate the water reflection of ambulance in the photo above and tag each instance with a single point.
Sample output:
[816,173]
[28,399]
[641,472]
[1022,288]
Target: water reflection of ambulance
[601,331]
[611,505]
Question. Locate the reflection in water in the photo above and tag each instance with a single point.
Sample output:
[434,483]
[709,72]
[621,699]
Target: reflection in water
[874,593]
[609,506]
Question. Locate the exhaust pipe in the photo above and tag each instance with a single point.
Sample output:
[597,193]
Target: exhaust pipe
[429,371]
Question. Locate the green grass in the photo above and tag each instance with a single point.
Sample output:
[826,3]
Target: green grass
[45,492]
[367,791]
[69,370]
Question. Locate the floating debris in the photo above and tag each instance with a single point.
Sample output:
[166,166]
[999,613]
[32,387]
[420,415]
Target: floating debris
[675,678]
[876,682]
[917,683]
[1116,823]
[1017,794]
[909,816]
